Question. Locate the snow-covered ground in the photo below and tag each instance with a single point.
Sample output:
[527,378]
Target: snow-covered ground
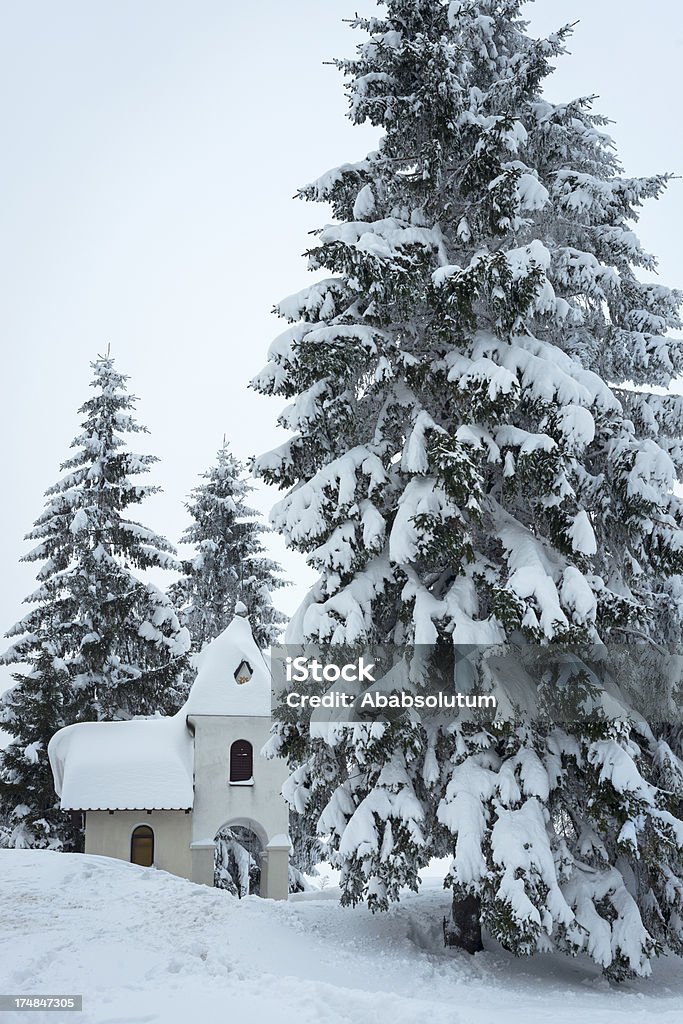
[143,947]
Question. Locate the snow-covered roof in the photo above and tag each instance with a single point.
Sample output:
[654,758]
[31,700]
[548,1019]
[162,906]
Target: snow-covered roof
[148,763]
[216,691]
[145,763]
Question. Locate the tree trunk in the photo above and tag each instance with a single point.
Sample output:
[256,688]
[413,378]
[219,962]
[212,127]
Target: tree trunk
[464,927]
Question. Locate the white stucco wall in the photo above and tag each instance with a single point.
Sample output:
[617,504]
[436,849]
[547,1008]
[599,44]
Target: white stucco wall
[217,803]
[109,835]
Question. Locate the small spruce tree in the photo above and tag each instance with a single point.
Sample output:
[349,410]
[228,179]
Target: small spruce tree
[478,458]
[229,564]
[100,642]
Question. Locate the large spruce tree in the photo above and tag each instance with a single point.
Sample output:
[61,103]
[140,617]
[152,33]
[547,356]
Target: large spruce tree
[229,564]
[100,642]
[477,458]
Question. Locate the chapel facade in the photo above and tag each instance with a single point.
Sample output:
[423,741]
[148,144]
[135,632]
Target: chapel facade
[160,791]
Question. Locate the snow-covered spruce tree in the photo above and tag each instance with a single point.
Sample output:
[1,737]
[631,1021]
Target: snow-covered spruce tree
[469,463]
[32,712]
[99,642]
[230,563]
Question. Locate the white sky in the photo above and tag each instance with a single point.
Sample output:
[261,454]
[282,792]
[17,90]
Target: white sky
[151,150]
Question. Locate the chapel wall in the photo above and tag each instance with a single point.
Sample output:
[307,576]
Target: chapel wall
[109,835]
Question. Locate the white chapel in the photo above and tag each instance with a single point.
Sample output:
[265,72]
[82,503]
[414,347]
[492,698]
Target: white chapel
[158,791]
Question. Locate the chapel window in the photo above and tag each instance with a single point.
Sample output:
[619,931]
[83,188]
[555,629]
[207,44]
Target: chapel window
[241,761]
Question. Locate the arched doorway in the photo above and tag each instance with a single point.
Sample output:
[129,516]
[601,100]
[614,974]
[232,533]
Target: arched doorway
[237,860]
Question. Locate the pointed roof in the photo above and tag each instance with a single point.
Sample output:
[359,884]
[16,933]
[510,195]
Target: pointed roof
[148,763]
[216,690]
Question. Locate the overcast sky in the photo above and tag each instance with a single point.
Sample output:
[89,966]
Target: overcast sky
[150,152]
